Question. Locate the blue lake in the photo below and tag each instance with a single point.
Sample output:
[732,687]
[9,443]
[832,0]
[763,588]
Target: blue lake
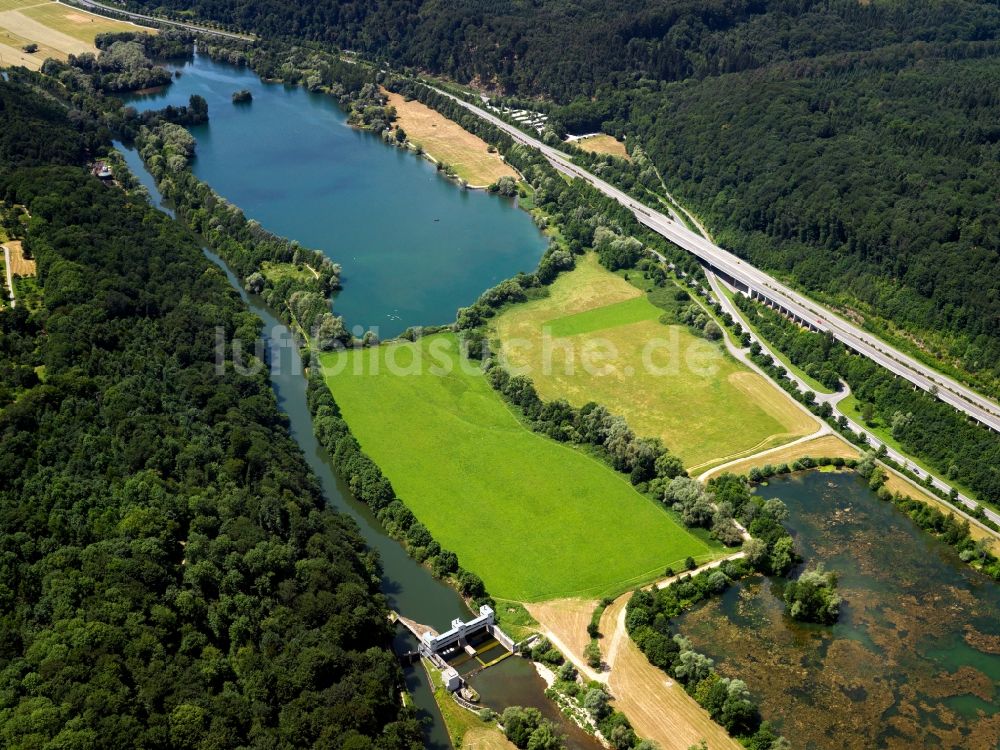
[414,247]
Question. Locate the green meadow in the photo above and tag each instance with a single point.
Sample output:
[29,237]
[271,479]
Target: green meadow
[705,406]
[536,519]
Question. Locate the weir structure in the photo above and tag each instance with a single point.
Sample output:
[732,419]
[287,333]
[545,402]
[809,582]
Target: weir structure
[463,642]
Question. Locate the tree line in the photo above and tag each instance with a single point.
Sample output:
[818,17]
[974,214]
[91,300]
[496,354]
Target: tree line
[567,51]
[846,147]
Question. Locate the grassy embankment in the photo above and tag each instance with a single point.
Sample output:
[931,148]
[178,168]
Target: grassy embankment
[536,519]
[445,141]
[466,730]
[603,144]
[706,408]
[58,30]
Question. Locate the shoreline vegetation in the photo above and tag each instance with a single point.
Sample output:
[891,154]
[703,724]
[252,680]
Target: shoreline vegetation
[931,526]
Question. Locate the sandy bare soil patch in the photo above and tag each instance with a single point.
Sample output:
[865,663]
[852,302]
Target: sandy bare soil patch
[446,141]
[658,707]
[19,265]
[603,144]
[567,619]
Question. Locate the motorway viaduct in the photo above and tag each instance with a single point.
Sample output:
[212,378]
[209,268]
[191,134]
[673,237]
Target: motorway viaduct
[761,286]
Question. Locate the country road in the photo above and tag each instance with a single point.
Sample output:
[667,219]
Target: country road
[92,5]
[834,400]
[976,406]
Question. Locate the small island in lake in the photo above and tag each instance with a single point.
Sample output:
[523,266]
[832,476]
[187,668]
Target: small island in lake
[242,96]
[813,597]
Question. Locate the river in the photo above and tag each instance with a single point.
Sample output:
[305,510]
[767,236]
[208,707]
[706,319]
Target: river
[914,660]
[413,247]
[409,587]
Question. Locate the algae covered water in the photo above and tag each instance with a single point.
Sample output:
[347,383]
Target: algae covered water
[413,246]
[914,660]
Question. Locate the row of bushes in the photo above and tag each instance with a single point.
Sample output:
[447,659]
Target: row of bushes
[958,425]
[643,459]
[925,426]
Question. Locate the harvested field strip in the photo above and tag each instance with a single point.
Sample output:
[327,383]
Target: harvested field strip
[446,141]
[658,707]
[829,446]
[77,23]
[58,30]
[568,619]
[19,265]
[603,144]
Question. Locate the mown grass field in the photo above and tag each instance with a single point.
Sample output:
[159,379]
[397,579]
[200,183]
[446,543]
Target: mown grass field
[536,519]
[702,403]
[447,141]
[58,30]
[279,271]
[603,144]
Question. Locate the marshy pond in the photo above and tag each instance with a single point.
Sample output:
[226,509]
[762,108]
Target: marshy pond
[914,660]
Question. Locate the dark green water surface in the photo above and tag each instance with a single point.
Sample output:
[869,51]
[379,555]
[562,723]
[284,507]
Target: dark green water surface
[413,247]
[914,661]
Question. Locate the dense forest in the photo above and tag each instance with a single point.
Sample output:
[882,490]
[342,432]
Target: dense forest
[848,147]
[564,49]
[169,573]
[868,180]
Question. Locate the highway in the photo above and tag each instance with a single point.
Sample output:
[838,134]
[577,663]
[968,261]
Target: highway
[962,502]
[976,406]
[102,9]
